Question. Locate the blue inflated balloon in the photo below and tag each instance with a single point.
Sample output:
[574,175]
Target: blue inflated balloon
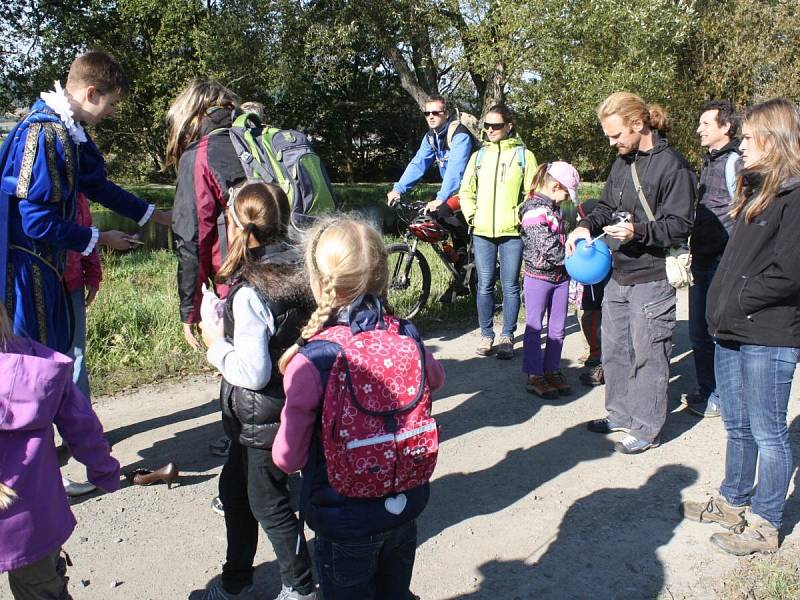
[590,263]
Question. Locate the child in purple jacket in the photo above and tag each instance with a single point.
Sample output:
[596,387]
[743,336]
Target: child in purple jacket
[546,281]
[36,392]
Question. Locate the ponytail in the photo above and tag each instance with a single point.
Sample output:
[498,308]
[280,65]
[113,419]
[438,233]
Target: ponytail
[659,119]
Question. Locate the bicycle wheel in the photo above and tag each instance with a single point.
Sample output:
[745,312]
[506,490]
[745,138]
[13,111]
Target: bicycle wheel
[409,280]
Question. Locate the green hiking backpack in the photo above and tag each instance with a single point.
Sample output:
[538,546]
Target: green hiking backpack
[284,157]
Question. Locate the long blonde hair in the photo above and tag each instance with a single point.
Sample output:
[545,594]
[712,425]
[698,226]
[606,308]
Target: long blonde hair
[776,128]
[345,258]
[631,107]
[260,210]
[7,495]
[188,111]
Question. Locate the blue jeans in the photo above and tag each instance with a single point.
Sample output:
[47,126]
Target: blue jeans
[754,384]
[78,350]
[486,252]
[703,270]
[377,567]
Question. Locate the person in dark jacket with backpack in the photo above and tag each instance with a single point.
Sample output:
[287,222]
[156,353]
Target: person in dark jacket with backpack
[366,540]
[639,302]
[754,315]
[208,167]
[267,304]
[712,226]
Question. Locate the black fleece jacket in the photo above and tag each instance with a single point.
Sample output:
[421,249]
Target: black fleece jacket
[669,185]
[755,295]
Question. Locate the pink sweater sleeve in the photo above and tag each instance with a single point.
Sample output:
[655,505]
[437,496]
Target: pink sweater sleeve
[303,388]
[434,371]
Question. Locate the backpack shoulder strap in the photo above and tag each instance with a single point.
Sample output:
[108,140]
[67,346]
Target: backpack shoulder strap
[730,172]
[451,132]
[244,134]
[648,211]
[521,158]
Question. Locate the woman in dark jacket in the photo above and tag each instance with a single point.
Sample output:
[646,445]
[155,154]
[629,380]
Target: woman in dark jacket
[268,303]
[753,312]
[199,145]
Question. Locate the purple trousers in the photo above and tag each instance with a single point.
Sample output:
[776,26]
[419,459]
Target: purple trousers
[541,296]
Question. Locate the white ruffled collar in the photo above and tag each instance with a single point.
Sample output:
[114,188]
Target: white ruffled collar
[59,102]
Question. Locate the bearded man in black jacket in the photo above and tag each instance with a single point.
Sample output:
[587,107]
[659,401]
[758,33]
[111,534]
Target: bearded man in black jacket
[639,303]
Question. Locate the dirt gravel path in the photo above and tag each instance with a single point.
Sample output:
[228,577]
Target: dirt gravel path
[525,503]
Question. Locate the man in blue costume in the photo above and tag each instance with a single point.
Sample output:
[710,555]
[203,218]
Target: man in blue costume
[45,161]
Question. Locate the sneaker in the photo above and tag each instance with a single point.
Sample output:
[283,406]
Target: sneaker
[288,593]
[605,426]
[593,377]
[714,510]
[217,592]
[485,346]
[758,535]
[74,489]
[633,445]
[220,447]
[708,409]
[537,384]
[557,380]
[217,507]
[693,398]
[505,347]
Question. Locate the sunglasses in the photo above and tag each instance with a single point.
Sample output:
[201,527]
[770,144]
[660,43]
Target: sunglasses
[493,126]
[435,113]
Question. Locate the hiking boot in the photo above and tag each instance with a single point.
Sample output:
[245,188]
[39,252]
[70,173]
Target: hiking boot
[605,426]
[288,593]
[633,445]
[538,384]
[220,447]
[559,382]
[485,346]
[714,510]
[593,377]
[758,535]
[708,409]
[505,347]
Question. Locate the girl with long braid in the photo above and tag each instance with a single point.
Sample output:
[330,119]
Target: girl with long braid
[364,547]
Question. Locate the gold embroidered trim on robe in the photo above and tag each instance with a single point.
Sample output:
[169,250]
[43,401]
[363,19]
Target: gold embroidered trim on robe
[28,157]
[38,299]
[52,164]
[69,154]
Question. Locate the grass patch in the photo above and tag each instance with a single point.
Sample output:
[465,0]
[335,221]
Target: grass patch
[765,577]
[133,329]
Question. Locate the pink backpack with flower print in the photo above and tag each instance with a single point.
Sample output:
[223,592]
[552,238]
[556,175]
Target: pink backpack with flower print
[378,435]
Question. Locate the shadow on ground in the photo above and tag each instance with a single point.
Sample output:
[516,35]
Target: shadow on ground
[610,537]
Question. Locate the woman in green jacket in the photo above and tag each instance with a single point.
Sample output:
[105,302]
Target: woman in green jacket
[496,181]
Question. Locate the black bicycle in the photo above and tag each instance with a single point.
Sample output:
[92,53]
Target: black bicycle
[409,271]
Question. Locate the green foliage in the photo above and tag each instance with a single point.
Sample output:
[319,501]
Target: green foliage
[353,73]
[133,330]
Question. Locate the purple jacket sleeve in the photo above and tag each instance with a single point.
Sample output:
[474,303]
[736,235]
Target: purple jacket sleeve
[81,429]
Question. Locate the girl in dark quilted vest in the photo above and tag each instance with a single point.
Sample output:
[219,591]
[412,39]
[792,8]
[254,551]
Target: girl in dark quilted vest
[364,547]
[268,302]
